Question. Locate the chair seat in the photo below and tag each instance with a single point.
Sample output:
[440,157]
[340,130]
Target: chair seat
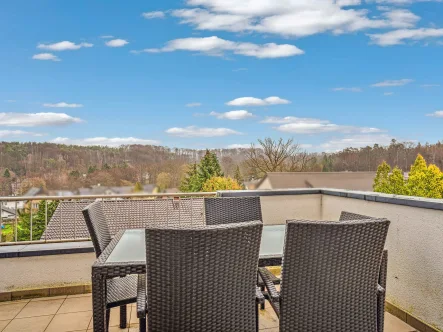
[121,291]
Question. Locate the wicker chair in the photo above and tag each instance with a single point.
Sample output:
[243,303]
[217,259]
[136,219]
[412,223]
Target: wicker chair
[119,291]
[382,274]
[191,271]
[227,210]
[330,276]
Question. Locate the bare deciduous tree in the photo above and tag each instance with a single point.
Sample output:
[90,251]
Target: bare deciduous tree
[277,156]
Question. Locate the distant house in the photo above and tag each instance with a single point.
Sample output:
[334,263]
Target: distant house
[8,214]
[104,190]
[361,181]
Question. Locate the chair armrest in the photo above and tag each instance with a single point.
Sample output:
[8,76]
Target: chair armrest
[267,279]
[141,296]
[259,297]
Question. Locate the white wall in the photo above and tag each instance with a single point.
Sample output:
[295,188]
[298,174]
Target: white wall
[415,245]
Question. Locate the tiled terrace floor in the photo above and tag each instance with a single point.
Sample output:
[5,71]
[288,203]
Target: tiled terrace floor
[73,313]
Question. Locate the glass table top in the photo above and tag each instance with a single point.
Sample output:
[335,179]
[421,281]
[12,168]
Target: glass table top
[131,246]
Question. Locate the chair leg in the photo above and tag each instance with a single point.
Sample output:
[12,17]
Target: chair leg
[143,324]
[123,316]
[262,306]
[108,315]
[256,318]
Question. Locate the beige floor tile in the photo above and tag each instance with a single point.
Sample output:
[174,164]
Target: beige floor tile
[76,304]
[60,297]
[74,321]
[80,295]
[40,308]
[268,318]
[115,317]
[3,324]
[394,324]
[133,319]
[30,324]
[9,310]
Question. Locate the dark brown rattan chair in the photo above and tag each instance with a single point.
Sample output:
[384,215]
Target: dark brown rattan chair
[382,274]
[226,210]
[192,270]
[119,291]
[330,276]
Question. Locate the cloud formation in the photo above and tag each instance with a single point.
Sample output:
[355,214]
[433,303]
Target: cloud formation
[193,105]
[398,37]
[46,56]
[437,114]
[16,133]
[63,105]
[291,124]
[390,83]
[36,119]
[104,141]
[116,43]
[193,131]
[63,46]
[155,14]
[233,115]
[215,46]
[354,89]
[252,101]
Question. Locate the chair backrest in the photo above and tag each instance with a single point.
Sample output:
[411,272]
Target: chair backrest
[345,215]
[330,274]
[202,279]
[97,226]
[227,210]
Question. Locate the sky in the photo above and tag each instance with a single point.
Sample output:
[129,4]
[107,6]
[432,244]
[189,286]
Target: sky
[202,74]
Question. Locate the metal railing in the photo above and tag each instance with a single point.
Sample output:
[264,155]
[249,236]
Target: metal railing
[48,219]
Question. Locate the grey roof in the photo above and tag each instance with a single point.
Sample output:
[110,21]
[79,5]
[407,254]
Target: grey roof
[339,180]
[34,191]
[67,222]
[8,210]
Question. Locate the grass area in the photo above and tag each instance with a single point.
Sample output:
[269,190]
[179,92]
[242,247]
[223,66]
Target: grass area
[7,233]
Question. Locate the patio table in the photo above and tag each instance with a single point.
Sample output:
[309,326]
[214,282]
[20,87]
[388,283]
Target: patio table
[126,254]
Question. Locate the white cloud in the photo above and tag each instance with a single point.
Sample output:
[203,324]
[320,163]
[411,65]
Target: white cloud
[46,56]
[252,101]
[116,43]
[388,93]
[233,115]
[397,37]
[348,89]
[291,124]
[437,114]
[104,141]
[296,18]
[193,131]
[356,141]
[36,119]
[107,37]
[239,146]
[193,105]
[215,46]
[15,133]
[63,46]
[387,83]
[155,14]
[62,105]
[430,85]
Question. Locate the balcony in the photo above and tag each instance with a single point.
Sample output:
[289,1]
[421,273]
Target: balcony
[37,268]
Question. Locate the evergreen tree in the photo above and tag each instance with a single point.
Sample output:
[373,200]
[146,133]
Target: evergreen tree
[397,183]
[208,167]
[433,182]
[221,183]
[38,221]
[190,182]
[138,187]
[92,169]
[417,175]
[238,177]
[7,174]
[381,181]
[106,166]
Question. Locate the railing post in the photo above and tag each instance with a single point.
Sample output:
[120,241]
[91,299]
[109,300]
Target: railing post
[16,222]
[1,220]
[75,219]
[46,218]
[61,220]
[30,227]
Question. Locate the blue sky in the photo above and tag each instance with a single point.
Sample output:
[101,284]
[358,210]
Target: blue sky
[221,73]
